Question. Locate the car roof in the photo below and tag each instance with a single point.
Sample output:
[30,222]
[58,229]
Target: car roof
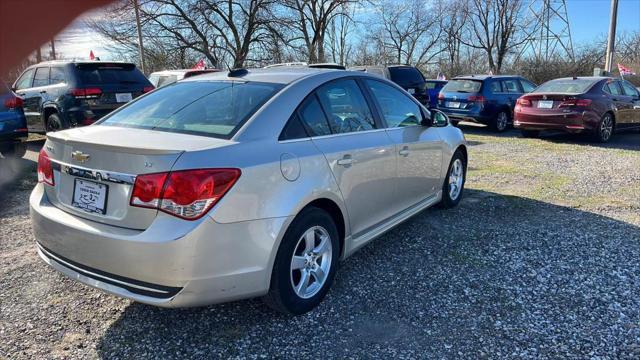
[65,62]
[182,71]
[278,75]
[484,77]
[592,78]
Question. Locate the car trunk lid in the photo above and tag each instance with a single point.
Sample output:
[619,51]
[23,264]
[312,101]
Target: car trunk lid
[95,168]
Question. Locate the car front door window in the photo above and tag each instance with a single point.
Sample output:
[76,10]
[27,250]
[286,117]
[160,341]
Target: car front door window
[398,110]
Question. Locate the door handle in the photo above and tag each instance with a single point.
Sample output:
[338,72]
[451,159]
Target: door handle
[43,92]
[404,152]
[23,94]
[347,160]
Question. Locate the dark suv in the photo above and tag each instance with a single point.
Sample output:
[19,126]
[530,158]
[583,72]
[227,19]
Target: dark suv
[408,77]
[486,99]
[62,94]
[13,126]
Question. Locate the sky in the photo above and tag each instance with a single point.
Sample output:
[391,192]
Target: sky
[589,20]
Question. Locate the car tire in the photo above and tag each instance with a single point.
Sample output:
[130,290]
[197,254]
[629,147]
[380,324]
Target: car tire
[501,122]
[303,272]
[54,123]
[530,133]
[605,129]
[456,177]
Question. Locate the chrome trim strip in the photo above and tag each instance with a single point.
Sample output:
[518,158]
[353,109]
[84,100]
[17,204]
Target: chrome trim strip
[93,174]
[71,266]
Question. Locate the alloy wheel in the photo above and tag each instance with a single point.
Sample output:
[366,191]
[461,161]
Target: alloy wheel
[311,262]
[502,121]
[456,178]
[606,127]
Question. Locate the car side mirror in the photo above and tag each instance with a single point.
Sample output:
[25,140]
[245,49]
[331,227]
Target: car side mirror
[438,118]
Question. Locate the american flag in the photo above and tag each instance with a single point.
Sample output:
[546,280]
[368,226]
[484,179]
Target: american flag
[625,70]
[200,65]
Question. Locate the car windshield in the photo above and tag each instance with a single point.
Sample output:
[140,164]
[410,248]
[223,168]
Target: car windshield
[209,108]
[463,86]
[565,86]
[95,74]
[406,76]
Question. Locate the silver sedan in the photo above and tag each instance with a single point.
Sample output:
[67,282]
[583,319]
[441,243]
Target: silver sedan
[234,185]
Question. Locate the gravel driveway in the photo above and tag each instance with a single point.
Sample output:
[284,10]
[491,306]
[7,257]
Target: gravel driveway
[541,259]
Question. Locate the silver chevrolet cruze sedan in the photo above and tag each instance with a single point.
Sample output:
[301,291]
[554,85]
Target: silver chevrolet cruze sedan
[234,185]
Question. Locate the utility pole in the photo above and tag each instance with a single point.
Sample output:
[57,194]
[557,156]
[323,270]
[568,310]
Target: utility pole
[611,41]
[140,46]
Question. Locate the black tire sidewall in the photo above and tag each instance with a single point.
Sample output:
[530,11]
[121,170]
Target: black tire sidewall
[59,119]
[282,292]
[447,202]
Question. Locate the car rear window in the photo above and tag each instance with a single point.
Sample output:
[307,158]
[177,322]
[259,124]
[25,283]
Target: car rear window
[208,108]
[406,76]
[463,86]
[565,86]
[110,74]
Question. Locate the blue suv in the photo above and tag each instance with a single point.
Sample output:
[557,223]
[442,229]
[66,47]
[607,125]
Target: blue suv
[486,99]
[13,124]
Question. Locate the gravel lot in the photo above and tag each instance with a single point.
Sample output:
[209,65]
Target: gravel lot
[541,259]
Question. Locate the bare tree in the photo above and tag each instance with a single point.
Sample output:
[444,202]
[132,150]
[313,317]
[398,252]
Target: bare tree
[311,19]
[496,27]
[339,30]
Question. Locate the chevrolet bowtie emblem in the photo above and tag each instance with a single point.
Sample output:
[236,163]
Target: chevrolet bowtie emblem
[80,156]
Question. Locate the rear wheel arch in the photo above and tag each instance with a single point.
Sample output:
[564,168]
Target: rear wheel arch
[331,208]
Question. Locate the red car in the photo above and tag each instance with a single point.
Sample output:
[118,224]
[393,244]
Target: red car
[598,106]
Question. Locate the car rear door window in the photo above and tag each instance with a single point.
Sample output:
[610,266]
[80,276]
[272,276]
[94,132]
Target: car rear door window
[312,116]
[628,89]
[398,110]
[25,80]
[345,106]
[42,77]
[613,88]
[510,86]
[293,129]
[57,76]
[495,87]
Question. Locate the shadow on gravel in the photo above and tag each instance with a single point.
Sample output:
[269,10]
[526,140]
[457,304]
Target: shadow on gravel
[497,276]
[624,140]
[16,174]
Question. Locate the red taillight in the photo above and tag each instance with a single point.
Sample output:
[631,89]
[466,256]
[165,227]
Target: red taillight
[188,194]
[146,89]
[524,102]
[13,102]
[88,93]
[576,103]
[476,98]
[45,169]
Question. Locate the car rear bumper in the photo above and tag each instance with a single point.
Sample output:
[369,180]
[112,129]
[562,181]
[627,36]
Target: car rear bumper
[574,122]
[173,263]
[13,136]
[461,115]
